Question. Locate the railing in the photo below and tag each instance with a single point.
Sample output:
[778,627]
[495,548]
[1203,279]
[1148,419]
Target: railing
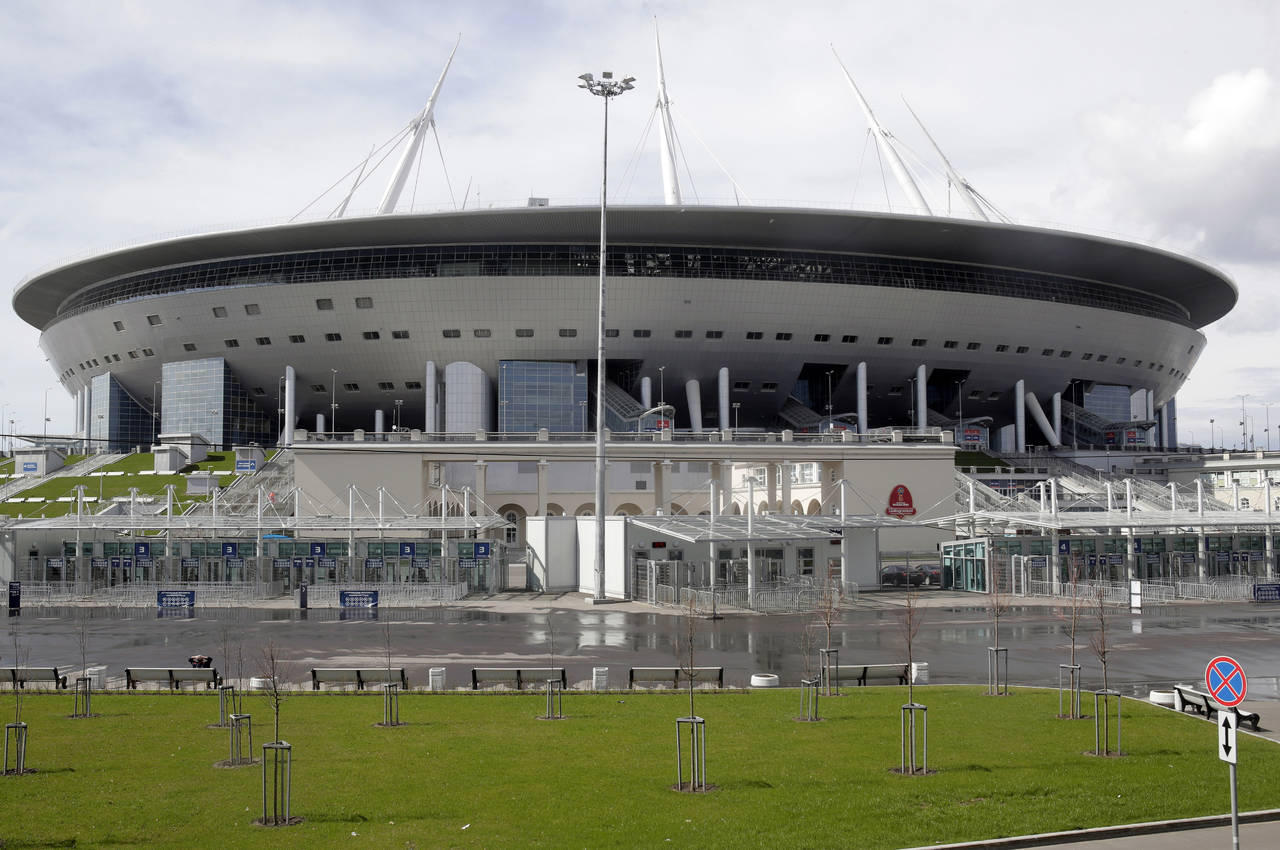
[1153,590]
[727,435]
[390,594]
[142,594]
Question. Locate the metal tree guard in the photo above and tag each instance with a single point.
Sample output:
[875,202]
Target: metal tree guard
[697,728]
[1072,672]
[280,769]
[1101,721]
[809,699]
[909,727]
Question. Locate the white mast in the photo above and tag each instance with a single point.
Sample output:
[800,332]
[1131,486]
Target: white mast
[883,138]
[666,140]
[962,185]
[419,126]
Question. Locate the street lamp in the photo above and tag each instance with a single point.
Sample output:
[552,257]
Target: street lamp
[45,425]
[1211,433]
[736,405]
[960,406]
[1244,423]
[398,403]
[605,88]
[830,426]
[662,385]
[1266,431]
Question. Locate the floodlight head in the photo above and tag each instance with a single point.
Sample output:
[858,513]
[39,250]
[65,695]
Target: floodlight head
[608,75]
[586,78]
[627,81]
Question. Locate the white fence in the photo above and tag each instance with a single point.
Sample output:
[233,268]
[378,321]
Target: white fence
[142,594]
[390,595]
[1153,590]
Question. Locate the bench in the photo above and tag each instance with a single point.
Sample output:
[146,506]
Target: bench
[19,676]
[516,677]
[865,674]
[358,676]
[1203,703]
[171,676]
[674,676]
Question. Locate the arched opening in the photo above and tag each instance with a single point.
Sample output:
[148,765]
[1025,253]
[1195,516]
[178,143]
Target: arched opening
[627,509]
[815,508]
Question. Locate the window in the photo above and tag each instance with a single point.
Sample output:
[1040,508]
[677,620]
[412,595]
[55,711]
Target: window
[884,340]
[769,387]
[1137,364]
[95,361]
[259,391]
[740,386]
[895,390]
[252,310]
[975,394]
[849,338]
[755,335]
[188,346]
[684,334]
[154,319]
[715,334]
[1102,358]
[219,312]
[1001,349]
[263,340]
[919,343]
[1120,361]
[1048,352]
[364,303]
[399,334]
[351,388]
[782,337]
[1022,349]
[452,333]
[572,332]
[413,385]
[133,355]
[333,336]
[639,333]
[951,343]
[386,385]
[231,343]
[318,388]
[324,303]
[1086,356]
[822,337]
[993,397]
[296,338]
[372,335]
[524,333]
[115,357]
[610,333]
[973,346]
[119,326]
[1064,353]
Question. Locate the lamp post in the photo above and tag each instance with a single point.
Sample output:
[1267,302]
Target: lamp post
[45,418]
[398,403]
[1266,431]
[605,88]
[662,385]
[830,424]
[736,405]
[960,407]
[1244,423]
[1211,433]
[280,406]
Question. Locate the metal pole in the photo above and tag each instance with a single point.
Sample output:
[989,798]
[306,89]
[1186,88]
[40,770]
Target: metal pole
[1235,811]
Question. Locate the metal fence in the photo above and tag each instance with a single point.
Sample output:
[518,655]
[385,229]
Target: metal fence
[1153,590]
[142,594]
[391,595]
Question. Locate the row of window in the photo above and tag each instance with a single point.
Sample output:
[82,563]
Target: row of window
[623,261]
[352,387]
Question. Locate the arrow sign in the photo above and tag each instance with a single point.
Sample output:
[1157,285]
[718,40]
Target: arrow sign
[1227,736]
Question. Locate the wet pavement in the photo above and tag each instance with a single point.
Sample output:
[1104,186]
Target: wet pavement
[1162,645]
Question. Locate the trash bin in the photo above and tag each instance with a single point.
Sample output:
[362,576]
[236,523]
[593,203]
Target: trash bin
[920,672]
[435,679]
[97,677]
[599,678]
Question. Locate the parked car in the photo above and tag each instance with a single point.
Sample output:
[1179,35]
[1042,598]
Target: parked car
[902,575]
[932,574]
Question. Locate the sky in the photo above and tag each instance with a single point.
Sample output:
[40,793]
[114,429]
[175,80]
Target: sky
[1157,122]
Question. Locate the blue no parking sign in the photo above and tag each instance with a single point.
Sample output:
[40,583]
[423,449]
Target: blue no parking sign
[1226,680]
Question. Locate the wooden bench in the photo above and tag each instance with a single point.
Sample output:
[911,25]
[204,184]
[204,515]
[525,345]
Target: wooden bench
[358,676]
[18,677]
[865,674]
[674,675]
[1203,703]
[171,676]
[516,677]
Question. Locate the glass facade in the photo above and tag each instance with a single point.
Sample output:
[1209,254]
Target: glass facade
[542,394]
[203,397]
[712,262]
[1110,401]
[118,423]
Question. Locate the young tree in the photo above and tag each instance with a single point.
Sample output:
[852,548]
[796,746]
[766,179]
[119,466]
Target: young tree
[20,654]
[81,625]
[1099,643]
[910,619]
[828,614]
[272,667]
[686,651]
[998,602]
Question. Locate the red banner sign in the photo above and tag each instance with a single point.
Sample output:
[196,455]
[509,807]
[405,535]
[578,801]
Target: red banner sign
[900,504]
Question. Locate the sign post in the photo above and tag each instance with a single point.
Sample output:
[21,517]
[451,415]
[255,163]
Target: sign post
[1227,684]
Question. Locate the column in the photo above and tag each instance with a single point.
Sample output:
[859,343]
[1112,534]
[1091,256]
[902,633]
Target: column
[1149,398]
[1057,416]
[290,405]
[1020,416]
[784,472]
[542,487]
[662,486]
[379,422]
[1164,426]
[726,486]
[771,485]
[87,422]
[922,412]
[482,484]
[319,423]
[693,397]
[646,392]
[862,397]
[722,394]
[432,424]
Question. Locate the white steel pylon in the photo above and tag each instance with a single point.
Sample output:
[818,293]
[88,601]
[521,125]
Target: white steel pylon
[666,141]
[885,141]
[967,193]
[419,127]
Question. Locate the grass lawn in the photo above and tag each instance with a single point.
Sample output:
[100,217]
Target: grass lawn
[481,771]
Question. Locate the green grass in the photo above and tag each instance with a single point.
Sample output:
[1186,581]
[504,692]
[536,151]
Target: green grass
[143,773]
[115,485]
[979,459]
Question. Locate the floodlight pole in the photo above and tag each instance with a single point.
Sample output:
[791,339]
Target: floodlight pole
[604,88]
